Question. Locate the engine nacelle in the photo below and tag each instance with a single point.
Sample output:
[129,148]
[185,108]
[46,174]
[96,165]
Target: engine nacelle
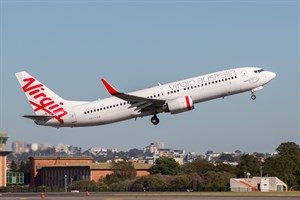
[180,104]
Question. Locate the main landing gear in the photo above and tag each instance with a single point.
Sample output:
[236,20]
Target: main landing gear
[154,120]
[253,97]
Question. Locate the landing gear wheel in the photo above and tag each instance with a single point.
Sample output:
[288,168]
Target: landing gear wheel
[253,97]
[154,120]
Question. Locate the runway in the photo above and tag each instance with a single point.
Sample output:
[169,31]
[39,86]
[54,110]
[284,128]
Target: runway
[156,196]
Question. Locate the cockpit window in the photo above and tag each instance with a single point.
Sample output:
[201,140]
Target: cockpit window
[258,71]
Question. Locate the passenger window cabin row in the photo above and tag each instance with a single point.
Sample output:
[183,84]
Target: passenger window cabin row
[161,94]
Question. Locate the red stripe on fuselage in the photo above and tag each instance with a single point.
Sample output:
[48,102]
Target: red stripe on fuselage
[188,103]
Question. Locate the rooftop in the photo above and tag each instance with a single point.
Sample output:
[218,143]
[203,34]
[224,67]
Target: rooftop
[4,153]
[100,166]
[4,135]
[60,158]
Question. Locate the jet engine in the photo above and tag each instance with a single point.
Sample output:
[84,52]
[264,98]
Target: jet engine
[180,104]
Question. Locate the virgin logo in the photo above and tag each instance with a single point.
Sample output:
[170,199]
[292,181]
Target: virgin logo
[45,103]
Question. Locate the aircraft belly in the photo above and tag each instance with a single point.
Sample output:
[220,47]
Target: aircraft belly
[206,95]
[117,115]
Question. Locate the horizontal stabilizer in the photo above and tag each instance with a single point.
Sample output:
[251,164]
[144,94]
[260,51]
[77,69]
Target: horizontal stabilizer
[39,118]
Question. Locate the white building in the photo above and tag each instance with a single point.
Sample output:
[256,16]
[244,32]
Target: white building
[44,147]
[263,184]
[212,156]
[177,155]
[62,148]
[99,151]
[34,146]
[153,147]
[19,147]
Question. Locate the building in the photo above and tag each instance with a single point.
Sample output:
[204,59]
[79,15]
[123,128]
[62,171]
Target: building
[3,154]
[177,155]
[59,175]
[44,147]
[263,184]
[210,157]
[62,148]
[34,147]
[192,156]
[19,147]
[58,171]
[67,149]
[169,153]
[153,147]
[36,163]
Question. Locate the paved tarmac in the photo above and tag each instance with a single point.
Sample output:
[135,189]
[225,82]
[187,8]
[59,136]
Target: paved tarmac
[139,196]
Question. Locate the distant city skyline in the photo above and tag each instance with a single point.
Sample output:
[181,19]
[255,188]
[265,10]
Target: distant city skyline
[70,45]
[25,146]
[148,155]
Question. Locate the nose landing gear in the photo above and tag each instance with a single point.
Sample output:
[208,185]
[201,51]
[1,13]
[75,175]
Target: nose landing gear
[154,120]
[253,97]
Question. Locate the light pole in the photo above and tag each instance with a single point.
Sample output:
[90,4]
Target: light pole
[261,167]
[66,179]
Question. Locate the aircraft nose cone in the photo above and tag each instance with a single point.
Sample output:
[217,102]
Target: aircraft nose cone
[272,75]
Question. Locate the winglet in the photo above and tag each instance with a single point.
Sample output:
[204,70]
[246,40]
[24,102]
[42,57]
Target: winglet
[109,87]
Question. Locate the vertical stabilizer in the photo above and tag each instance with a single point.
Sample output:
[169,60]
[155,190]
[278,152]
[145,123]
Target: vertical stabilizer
[43,100]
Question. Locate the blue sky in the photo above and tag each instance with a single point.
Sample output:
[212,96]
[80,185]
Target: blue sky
[70,45]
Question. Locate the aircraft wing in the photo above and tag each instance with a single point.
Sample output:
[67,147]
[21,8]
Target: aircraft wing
[142,104]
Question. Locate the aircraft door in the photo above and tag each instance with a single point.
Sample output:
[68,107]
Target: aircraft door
[73,117]
[245,76]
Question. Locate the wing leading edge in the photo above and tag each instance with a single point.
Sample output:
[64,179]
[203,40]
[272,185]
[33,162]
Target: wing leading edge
[142,104]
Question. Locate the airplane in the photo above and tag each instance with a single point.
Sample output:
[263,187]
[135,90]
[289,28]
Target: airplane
[176,97]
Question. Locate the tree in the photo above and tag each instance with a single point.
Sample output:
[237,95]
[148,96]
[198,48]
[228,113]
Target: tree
[222,167]
[248,163]
[198,166]
[116,187]
[135,153]
[286,165]
[121,171]
[181,183]
[13,166]
[259,155]
[102,187]
[238,152]
[155,182]
[24,167]
[84,185]
[289,149]
[224,157]
[217,179]
[209,152]
[124,169]
[165,166]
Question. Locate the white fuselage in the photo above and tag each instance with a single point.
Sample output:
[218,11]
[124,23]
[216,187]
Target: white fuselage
[200,89]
